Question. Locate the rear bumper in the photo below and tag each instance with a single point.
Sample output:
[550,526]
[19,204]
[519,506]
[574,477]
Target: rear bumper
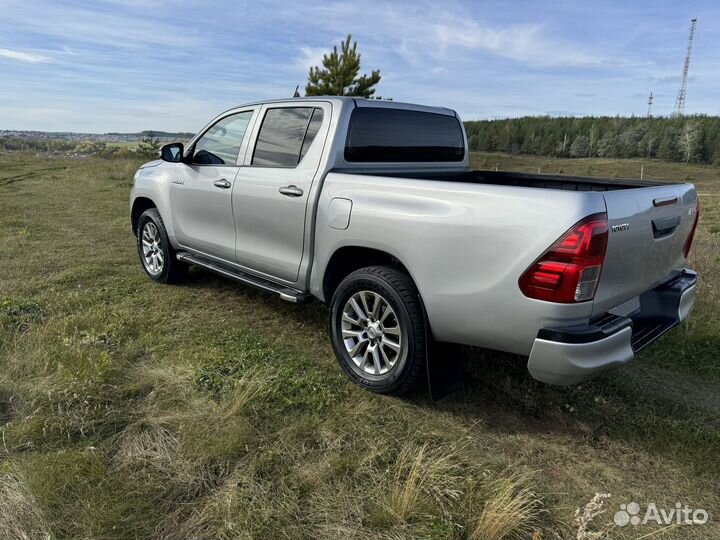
[571,354]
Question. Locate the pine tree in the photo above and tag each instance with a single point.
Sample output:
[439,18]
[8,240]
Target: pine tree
[150,145]
[339,74]
[607,146]
[668,148]
[580,146]
[628,142]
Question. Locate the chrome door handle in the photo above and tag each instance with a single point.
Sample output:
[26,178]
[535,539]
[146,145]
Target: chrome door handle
[222,183]
[291,191]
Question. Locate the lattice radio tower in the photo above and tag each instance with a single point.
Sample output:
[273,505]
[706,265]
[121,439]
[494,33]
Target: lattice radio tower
[650,102]
[680,99]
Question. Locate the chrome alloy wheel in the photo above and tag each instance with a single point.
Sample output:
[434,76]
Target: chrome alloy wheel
[152,249]
[371,333]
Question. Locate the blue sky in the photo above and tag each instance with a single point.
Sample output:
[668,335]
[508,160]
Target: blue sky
[108,65]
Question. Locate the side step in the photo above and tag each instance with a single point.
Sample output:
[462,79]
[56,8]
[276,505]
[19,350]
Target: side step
[286,293]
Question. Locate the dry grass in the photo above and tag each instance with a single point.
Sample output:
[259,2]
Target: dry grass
[511,509]
[146,443]
[20,515]
[248,388]
[421,477]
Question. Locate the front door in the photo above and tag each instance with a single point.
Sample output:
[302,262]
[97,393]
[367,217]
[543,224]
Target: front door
[271,193]
[201,191]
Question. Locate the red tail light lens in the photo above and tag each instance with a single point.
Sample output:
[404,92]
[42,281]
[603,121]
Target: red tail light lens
[689,241]
[569,270]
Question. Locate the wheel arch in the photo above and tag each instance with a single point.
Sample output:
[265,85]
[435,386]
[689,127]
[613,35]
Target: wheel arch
[347,259]
[140,204]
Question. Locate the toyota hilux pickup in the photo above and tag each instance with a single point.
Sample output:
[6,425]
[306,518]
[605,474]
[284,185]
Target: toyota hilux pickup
[371,207]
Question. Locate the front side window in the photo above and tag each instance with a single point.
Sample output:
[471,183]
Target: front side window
[285,136]
[220,144]
[385,135]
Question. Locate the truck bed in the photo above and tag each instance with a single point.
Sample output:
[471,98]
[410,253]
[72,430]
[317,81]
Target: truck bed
[479,212]
[540,181]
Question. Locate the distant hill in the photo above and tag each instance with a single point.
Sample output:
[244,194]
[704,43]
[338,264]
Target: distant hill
[159,134]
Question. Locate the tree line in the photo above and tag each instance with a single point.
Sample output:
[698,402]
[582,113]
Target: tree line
[689,138]
[22,144]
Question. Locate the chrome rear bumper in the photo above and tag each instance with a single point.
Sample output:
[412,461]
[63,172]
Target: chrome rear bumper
[569,355]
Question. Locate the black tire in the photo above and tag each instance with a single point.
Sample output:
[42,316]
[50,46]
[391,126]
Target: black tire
[398,290]
[172,271]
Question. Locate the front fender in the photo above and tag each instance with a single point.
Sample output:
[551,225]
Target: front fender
[153,182]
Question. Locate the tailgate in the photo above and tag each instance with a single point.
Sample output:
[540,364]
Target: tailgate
[648,230]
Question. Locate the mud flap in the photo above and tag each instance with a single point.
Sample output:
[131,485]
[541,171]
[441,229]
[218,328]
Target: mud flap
[445,368]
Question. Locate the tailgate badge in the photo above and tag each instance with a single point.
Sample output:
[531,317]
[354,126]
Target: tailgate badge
[620,227]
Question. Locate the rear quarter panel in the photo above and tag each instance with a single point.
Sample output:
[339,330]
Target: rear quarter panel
[465,246]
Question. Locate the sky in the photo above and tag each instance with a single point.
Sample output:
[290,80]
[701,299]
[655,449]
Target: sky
[111,65]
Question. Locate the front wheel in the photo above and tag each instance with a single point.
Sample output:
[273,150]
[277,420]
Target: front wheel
[156,254]
[377,327]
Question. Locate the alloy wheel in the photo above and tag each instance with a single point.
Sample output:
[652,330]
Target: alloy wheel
[152,249]
[371,333]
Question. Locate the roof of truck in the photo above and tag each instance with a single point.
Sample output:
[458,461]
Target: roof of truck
[358,102]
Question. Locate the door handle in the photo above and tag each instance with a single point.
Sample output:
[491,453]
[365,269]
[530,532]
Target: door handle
[222,183]
[665,226]
[291,191]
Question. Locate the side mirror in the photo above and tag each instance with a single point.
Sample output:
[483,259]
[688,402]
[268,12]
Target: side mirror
[172,152]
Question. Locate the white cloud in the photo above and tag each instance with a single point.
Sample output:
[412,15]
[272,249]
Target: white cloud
[30,58]
[525,43]
[310,56]
[92,26]
[422,32]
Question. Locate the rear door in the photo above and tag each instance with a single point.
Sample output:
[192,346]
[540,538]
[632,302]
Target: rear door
[271,192]
[201,190]
[648,230]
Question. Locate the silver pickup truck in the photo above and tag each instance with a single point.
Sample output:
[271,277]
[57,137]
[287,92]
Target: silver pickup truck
[371,207]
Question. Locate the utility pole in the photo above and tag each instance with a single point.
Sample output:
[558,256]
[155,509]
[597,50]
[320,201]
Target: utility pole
[680,99]
[650,102]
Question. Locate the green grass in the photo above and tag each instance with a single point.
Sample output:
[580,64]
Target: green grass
[209,410]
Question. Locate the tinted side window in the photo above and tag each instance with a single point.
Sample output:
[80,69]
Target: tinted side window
[312,131]
[220,144]
[281,137]
[396,135]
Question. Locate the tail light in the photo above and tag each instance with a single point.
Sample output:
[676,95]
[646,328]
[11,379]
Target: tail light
[570,269]
[689,241]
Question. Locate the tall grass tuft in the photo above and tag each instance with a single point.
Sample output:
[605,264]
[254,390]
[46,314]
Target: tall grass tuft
[422,476]
[20,516]
[511,509]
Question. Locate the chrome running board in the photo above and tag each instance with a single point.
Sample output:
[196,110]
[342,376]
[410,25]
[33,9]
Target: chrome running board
[286,293]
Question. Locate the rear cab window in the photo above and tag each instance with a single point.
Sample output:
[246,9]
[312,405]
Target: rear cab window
[285,136]
[386,135]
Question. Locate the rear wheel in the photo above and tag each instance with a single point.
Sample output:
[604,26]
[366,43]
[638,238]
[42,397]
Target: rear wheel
[157,256]
[378,330]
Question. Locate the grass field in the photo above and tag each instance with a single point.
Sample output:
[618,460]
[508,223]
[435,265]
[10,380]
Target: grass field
[132,410]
